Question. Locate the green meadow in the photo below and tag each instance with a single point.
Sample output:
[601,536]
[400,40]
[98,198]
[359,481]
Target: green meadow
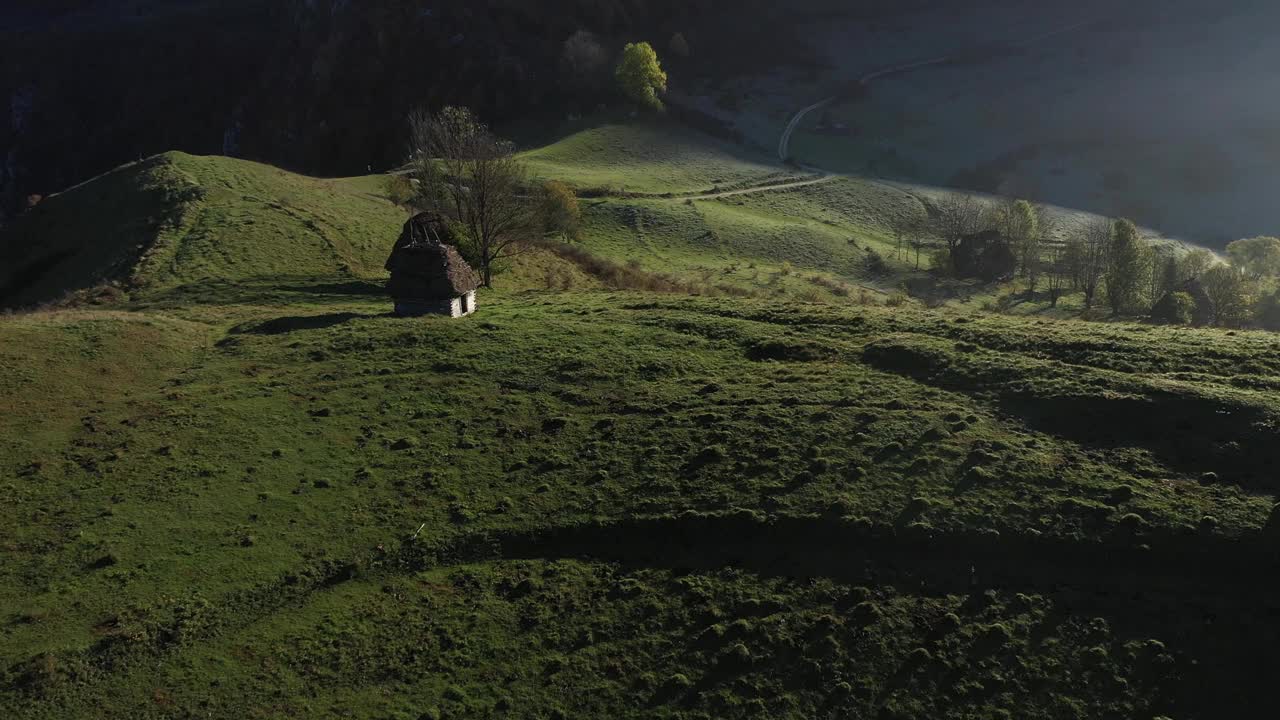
[232,484]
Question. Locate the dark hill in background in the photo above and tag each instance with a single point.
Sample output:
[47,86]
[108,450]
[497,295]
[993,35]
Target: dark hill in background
[316,85]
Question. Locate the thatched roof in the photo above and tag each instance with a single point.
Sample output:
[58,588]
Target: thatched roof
[424,265]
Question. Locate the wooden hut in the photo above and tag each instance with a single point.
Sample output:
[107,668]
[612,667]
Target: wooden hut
[428,276]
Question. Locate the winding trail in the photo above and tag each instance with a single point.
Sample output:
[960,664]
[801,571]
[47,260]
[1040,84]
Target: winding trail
[784,143]
[756,189]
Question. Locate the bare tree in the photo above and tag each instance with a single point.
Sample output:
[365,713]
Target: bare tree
[1091,256]
[584,64]
[467,173]
[957,215]
[908,231]
[1048,228]
[918,244]
[1056,271]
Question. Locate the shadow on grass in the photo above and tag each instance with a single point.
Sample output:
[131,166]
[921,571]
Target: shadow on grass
[293,323]
[1186,431]
[353,288]
[270,291]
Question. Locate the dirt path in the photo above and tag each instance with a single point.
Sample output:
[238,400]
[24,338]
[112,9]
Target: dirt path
[757,189]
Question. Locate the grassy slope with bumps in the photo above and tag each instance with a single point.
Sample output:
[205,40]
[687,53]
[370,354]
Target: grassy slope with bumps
[245,490]
[652,158]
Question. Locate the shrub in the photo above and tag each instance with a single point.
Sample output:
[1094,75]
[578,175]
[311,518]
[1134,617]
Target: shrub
[874,263]
[940,262]
[835,287]
[399,189]
[559,209]
[630,276]
[1178,309]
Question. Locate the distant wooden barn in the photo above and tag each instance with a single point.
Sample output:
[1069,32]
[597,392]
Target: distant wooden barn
[428,276]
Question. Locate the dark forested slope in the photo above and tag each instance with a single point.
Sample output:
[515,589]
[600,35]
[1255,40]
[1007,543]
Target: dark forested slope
[319,85]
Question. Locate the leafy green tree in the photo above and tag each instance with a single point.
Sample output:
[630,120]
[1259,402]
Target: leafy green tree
[1256,257]
[1182,308]
[1195,264]
[640,75]
[1166,276]
[1128,261]
[1267,312]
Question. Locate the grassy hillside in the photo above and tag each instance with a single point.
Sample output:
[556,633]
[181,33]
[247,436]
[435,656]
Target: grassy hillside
[623,505]
[175,222]
[709,217]
[176,219]
[652,158]
[242,488]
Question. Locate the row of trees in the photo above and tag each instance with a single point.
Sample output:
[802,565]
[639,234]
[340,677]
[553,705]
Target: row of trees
[1111,259]
[1105,260]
